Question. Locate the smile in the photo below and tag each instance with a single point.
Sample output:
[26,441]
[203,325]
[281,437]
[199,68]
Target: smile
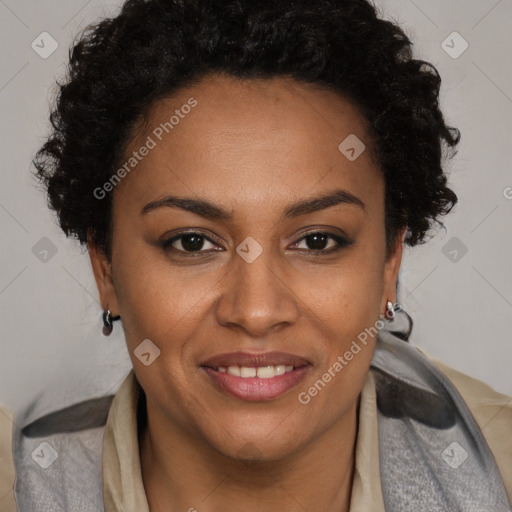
[256,383]
[262,372]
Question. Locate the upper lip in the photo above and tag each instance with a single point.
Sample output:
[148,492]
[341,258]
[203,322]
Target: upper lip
[254,360]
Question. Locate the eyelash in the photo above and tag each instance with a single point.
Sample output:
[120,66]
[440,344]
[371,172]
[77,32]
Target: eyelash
[341,241]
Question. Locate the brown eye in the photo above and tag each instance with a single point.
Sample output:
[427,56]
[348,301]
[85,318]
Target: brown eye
[318,241]
[190,242]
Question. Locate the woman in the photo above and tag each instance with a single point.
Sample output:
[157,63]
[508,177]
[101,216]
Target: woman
[245,175]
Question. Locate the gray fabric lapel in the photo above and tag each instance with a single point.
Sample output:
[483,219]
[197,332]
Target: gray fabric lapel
[433,456]
[58,460]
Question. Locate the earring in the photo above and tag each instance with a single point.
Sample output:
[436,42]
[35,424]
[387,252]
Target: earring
[390,311]
[107,322]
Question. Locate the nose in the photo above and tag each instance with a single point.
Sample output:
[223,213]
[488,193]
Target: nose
[258,297]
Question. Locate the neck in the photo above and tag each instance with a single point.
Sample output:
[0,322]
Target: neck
[183,472]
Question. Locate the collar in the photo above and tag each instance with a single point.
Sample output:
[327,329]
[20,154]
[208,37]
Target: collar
[123,488]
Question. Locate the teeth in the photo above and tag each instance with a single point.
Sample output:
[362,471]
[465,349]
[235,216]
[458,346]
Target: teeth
[263,372]
[267,372]
[247,372]
[234,370]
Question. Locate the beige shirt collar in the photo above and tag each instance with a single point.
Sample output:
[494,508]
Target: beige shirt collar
[123,488]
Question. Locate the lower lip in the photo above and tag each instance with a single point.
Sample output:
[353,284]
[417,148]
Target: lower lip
[254,388]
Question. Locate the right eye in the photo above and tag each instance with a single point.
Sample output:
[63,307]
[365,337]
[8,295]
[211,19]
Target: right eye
[191,242]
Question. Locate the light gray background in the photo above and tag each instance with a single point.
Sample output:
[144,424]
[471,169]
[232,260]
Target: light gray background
[51,341]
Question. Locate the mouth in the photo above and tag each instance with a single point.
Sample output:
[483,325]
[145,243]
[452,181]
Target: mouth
[255,360]
[256,377]
[261,372]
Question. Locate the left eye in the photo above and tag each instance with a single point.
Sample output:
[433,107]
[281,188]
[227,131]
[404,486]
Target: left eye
[317,242]
[191,242]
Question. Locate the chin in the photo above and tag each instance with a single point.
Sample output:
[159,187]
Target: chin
[256,446]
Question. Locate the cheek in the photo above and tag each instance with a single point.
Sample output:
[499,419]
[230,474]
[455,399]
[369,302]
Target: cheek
[347,311]
[346,297]
[348,315]
[155,300]
[155,305]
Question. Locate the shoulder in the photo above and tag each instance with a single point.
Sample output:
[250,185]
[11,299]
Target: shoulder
[492,412]
[67,445]
[7,503]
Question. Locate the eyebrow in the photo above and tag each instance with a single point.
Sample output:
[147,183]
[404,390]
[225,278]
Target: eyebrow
[212,211]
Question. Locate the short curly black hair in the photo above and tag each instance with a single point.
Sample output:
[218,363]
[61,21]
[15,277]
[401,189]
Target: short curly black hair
[120,66]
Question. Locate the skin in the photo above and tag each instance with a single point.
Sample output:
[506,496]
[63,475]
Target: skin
[253,147]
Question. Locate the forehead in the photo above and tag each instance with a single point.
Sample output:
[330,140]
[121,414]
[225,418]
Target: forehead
[246,140]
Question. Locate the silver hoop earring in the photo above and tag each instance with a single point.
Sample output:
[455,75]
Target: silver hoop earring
[108,320]
[390,310]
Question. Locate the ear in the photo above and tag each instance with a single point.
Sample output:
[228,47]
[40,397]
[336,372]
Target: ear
[102,270]
[391,269]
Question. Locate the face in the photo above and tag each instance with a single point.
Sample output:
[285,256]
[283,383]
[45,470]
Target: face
[243,259]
